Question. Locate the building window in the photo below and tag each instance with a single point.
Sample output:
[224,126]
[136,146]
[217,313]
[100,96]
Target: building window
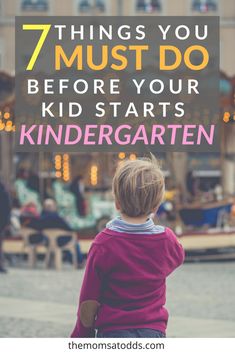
[34,5]
[91,5]
[148,5]
[204,5]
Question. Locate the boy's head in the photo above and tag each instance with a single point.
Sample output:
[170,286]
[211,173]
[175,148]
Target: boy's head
[138,187]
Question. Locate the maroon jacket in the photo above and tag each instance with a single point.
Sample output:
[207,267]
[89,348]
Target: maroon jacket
[126,273]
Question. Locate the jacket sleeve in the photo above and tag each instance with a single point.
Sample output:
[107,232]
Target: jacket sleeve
[174,252]
[90,293]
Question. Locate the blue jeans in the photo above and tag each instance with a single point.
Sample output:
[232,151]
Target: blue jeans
[63,240]
[132,333]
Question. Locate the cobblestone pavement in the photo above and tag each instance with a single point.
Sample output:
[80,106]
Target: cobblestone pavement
[42,303]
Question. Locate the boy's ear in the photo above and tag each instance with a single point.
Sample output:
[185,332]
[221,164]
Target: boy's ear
[117,205]
[155,210]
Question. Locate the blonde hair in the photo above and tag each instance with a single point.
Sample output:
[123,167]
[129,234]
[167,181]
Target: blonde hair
[138,186]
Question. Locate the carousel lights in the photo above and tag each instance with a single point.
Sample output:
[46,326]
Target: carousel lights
[121,155]
[6,115]
[66,167]
[227,117]
[5,123]
[62,167]
[94,175]
[58,174]
[132,157]
[58,165]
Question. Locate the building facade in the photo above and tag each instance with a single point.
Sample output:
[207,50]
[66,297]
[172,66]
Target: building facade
[223,8]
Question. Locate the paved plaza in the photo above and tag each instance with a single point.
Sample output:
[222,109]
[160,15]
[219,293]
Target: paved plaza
[42,303]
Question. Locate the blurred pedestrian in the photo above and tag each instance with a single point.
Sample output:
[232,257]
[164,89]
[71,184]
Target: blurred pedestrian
[5,211]
[192,185]
[50,218]
[77,188]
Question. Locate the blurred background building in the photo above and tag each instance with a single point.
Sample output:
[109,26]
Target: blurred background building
[210,168]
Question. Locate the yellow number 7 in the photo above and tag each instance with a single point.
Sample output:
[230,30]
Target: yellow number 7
[45,30]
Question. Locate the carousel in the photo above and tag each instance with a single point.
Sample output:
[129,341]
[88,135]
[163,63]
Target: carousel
[201,213]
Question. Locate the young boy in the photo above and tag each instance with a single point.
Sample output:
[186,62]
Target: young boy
[124,287]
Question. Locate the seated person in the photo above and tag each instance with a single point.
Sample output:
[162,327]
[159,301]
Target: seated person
[29,214]
[50,218]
